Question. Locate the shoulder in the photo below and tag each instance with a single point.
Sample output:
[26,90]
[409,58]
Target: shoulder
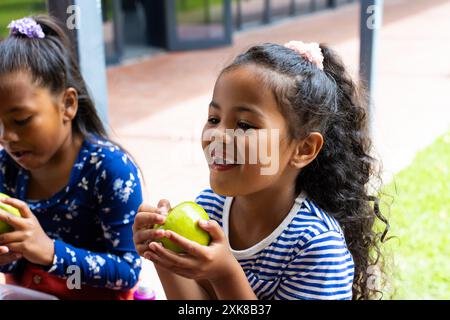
[109,159]
[314,220]
[115,175]
[313,229]
[213,204]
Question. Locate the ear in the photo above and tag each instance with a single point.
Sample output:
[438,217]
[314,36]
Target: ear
[307,150]
[70,104]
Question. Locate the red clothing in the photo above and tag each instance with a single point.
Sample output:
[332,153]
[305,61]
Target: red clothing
[35,278]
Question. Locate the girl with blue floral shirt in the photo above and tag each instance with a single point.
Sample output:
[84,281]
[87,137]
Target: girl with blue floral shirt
[78,191]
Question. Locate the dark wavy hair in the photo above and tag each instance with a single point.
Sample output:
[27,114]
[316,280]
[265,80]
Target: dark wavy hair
[338,180]
[51,64]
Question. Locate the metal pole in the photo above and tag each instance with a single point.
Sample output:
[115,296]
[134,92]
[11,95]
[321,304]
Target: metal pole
[207,8]
[238,15]
[370,23]
[267,13]
[87,39]
[292,8]
[58,10]
[332,4]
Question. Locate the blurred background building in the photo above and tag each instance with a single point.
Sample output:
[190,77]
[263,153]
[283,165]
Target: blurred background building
[135,28]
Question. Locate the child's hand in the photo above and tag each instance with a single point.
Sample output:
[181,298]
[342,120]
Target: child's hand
[146,218]
[28,238]
[7,257]
[213,263]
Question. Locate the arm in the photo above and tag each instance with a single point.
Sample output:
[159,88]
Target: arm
[234,287]
[179,288]
[214,263]
[118,271]
[118,192]
[176,287]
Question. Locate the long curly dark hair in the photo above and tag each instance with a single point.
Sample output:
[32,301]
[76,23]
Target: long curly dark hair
[338,180]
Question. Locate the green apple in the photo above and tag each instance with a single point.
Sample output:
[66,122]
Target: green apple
[183,219]
[4,227]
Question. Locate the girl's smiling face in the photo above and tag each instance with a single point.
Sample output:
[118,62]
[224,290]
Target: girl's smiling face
[242,100]
[34,123]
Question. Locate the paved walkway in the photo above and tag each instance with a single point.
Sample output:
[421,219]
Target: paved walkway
[159,104]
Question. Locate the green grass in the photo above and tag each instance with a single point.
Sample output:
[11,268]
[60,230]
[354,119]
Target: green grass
[419,219]
[16,9]
[188,5]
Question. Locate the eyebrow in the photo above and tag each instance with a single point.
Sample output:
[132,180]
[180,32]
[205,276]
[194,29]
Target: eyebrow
[248,109]
[16,109]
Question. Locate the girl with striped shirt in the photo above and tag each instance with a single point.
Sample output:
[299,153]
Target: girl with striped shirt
[303,230]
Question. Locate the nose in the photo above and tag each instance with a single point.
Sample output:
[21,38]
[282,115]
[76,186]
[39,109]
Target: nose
[224,135]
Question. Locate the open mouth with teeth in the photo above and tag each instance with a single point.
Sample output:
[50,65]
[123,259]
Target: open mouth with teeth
[221,164]
[223,161]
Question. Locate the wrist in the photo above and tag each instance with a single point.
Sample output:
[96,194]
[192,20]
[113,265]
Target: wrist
[232,271]
[49,253]
[233,286]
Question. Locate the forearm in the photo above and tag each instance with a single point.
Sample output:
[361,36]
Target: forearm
[234,287]
[118,272]
[179,288]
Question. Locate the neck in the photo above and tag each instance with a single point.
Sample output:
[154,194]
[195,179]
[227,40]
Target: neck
[60,165]
[274,202]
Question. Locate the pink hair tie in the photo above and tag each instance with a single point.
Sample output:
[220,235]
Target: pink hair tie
[309,51]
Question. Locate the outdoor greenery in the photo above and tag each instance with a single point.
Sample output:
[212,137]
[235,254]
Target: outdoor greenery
[16,9]
[420,221]
[188,5]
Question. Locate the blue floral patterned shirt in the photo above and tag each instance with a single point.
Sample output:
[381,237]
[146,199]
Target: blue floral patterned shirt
[91,219]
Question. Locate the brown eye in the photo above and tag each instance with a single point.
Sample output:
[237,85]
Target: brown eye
[23,122]
[245,126]
[213,120]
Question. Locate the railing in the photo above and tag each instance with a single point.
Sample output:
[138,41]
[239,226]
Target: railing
[257,12]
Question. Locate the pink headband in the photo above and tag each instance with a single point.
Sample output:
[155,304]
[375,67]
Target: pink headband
[309,51]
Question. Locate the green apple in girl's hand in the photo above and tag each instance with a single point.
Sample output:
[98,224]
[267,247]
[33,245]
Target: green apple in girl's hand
[183,219]
[4,227]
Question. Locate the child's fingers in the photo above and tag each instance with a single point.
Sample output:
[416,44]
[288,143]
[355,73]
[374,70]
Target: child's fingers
[147,235]
[15,236]
[168,258]
[15,222]
[9,258]
[164,206]
[190,247]
[4,250]
[20,205]
[141,249]
[213,228]
[147,208]
[16,248]
[146,220]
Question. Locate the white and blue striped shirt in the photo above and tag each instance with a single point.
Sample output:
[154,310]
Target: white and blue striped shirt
[305,257]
